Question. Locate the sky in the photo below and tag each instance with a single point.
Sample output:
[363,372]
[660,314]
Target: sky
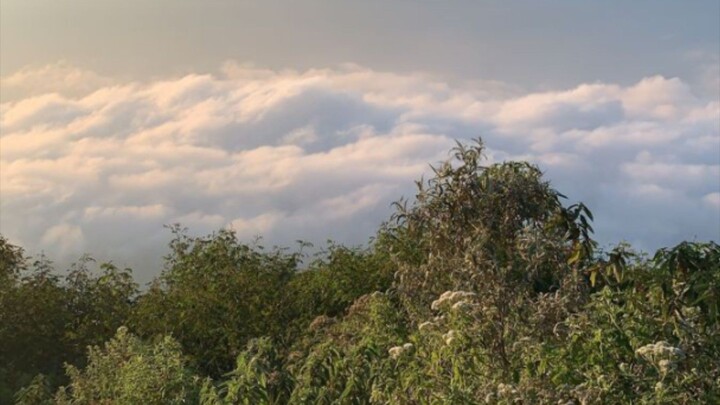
[306,119]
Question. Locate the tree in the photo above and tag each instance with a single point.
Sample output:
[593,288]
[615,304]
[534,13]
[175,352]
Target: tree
[98,303]
[33,317]
[473,226]
[215,295]
[331,284]
[12,263]
[47,320]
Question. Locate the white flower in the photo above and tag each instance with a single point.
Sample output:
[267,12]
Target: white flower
[425,325]
[440,301]
[448,298]
[462,306]
[395,352]
[660,350]
[449,337]
[645,350]
[665,366]
[664,356]
[505,390]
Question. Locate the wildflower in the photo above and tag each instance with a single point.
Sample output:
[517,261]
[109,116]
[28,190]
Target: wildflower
[462,306]
[664,356]
[395,352]
[660,350]
[506,390]
[425,325]
[440,301]
[449,337]
[448,298]
[665,366]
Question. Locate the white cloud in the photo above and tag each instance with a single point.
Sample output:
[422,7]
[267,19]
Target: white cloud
[124,212]
[322,153]
[256,226]
[713,200]
[60,77]
[64,238]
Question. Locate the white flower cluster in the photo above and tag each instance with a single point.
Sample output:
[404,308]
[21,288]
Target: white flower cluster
[449,337]
[397,351]
[665,366]
[452,299]
[462,306]
[661,350]
[425,325]
[506,390]
[662,354]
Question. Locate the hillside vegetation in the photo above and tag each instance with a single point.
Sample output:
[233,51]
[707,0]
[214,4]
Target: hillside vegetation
[485,288]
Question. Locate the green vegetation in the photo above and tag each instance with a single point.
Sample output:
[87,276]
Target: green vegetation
[485,288]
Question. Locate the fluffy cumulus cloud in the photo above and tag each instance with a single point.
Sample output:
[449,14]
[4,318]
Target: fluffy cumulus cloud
[99,165]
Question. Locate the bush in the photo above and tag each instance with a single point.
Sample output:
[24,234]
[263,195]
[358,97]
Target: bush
[129,371]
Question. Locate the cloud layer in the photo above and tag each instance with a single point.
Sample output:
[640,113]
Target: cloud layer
[100,165]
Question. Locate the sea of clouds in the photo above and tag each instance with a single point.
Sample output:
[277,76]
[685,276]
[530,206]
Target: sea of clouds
[96,164]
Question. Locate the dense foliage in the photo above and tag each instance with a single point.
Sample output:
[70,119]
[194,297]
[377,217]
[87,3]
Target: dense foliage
[485,288]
